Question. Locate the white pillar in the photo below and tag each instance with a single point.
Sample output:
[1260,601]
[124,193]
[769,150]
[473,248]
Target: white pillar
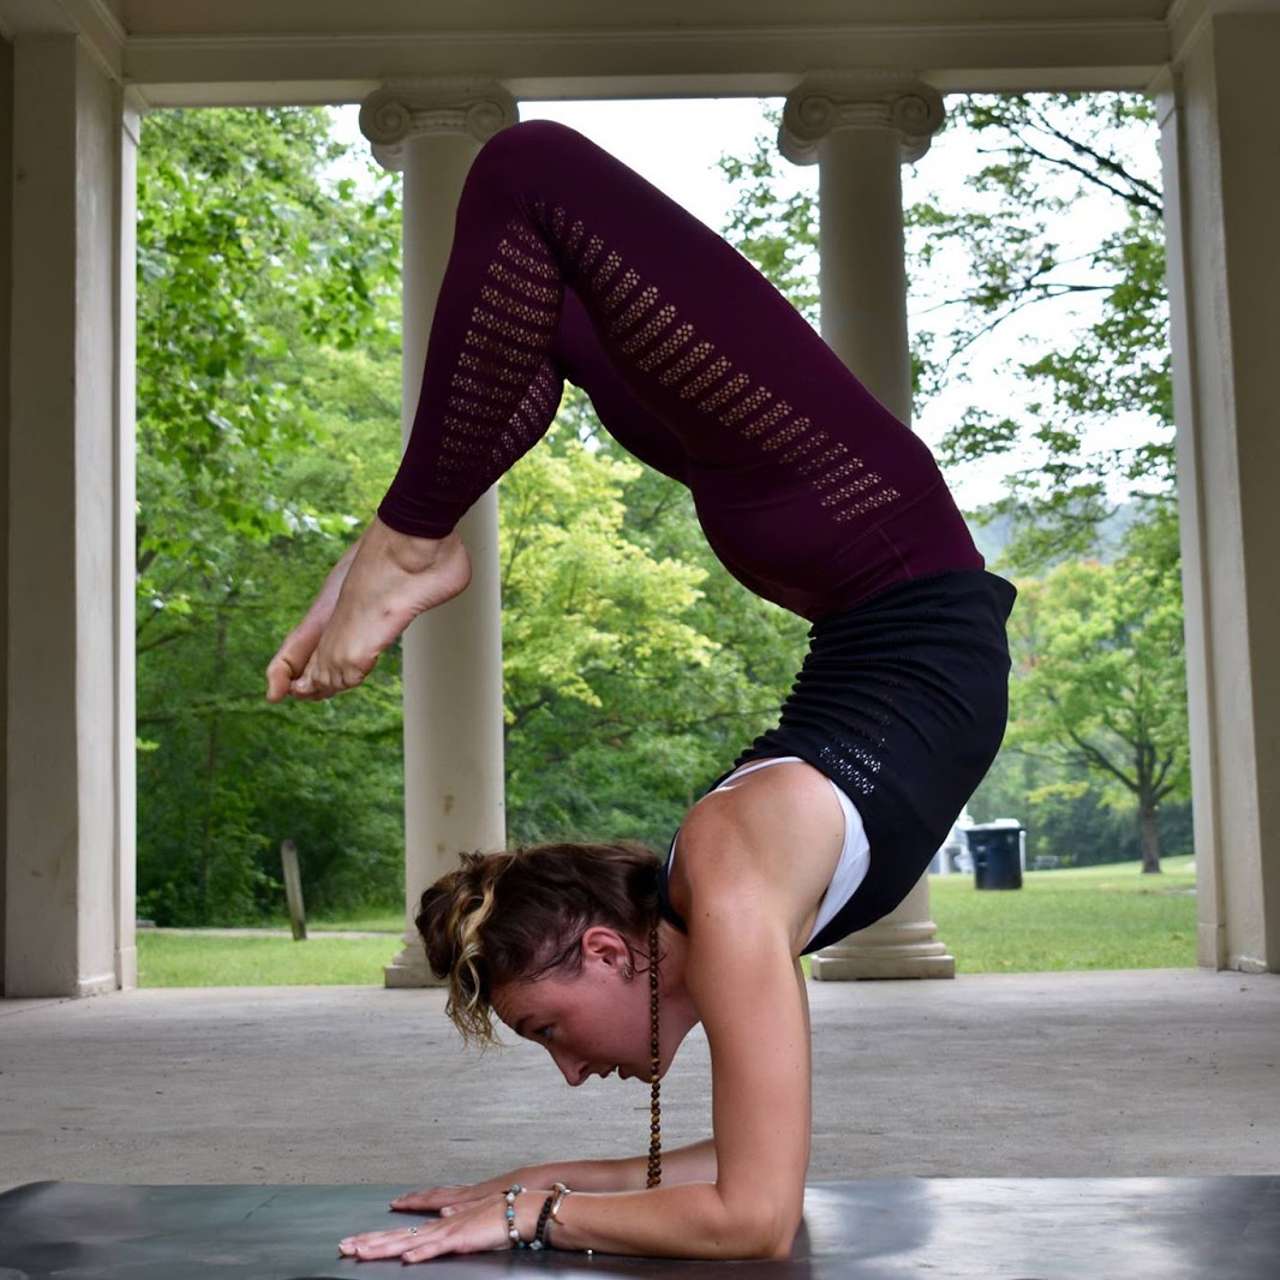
[126,554]
[6,332]
[69,768]
[1221,164]
[453,730]
[859,128]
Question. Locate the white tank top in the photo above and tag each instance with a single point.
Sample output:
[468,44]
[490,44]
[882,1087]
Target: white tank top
[855,856]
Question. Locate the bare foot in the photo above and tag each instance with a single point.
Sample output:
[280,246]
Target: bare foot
[291,658]
[391,578]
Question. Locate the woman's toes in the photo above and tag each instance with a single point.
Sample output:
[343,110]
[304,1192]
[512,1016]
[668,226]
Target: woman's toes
[311,687]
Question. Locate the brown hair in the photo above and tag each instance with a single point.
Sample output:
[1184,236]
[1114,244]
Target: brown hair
[521,913]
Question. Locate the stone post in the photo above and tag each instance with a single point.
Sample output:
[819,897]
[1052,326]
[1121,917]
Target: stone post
[859,128]
[453,728]
[1221,171]
[69,767]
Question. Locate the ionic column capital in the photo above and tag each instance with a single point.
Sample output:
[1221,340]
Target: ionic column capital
[404,109]
[859,100]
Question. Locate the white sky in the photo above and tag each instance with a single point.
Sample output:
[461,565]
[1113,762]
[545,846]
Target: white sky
[675,144]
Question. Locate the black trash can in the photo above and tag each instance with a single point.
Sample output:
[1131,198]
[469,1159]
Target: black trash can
[997,858]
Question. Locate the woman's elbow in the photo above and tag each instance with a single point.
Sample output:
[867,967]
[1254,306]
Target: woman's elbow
[774,1241]
[764,1224]
[780,1247]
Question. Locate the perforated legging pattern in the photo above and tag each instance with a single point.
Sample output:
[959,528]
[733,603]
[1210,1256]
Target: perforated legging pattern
[567,264]
[655,337]
[504,392]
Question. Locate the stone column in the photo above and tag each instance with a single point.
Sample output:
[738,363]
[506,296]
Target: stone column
[126,552]
[453,754]
[70,719]
[1221,170]
[859,128]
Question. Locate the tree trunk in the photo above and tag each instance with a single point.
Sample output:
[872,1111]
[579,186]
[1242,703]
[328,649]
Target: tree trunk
[1150,839]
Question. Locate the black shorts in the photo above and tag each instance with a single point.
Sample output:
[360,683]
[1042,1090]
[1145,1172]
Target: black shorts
[902,702]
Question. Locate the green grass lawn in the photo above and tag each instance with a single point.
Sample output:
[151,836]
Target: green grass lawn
[197,960]
[1110,917]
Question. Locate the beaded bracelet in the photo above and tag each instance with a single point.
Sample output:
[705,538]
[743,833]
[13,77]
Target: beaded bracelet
[561,1192]
[550,1209]
[513,1232]
[540,1232]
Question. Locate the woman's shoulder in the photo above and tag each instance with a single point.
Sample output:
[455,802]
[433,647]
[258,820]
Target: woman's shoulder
[777,831]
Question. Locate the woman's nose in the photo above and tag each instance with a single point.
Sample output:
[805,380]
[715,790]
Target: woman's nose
[574,1072]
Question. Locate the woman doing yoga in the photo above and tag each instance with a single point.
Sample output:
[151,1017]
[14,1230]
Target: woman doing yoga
[567,264]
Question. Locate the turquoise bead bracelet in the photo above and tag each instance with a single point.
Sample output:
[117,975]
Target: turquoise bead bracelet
[548,1211]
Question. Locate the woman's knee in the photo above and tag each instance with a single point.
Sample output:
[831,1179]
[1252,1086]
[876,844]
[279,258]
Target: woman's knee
[535,135]
[530,149]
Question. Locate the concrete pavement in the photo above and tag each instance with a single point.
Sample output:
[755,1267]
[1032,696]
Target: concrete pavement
[1135,1073]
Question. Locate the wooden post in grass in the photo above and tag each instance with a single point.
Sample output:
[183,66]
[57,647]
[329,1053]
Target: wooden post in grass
[293,890]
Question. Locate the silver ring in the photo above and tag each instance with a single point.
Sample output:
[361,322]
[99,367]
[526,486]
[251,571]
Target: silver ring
[413,1231]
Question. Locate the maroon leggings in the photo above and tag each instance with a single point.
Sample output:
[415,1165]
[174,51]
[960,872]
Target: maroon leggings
[566,263]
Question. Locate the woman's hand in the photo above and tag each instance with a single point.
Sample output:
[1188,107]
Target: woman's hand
[448,1199]
[477,1226]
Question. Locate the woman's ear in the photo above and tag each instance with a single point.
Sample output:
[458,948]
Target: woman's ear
[610,947]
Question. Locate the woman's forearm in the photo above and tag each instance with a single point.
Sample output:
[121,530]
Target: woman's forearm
[694,1163]
[685,1221]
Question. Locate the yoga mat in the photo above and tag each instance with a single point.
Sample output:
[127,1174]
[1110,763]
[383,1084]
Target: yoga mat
[1223,1228]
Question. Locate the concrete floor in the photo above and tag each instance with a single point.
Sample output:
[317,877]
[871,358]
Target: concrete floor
[1144,1072]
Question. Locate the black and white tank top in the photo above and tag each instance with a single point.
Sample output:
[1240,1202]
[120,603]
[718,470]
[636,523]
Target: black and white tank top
[851,870]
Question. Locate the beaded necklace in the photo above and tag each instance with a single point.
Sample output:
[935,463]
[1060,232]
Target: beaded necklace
[655,1106]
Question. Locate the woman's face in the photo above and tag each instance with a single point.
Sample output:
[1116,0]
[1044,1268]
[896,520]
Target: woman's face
[599,1018]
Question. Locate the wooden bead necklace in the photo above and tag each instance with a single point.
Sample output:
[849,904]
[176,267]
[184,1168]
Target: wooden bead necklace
[655,1106]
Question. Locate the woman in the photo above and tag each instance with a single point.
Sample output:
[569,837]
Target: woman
[567,264]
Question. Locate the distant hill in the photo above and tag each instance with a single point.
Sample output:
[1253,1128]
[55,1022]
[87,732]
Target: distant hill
[994,535]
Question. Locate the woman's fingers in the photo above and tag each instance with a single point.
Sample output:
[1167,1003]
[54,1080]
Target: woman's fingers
[455,1195]
[381,1244]
[435,1198]
[420,1201]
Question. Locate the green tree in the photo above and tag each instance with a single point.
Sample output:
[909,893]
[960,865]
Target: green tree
[1048,150]
[258,420]
[269,381]
[1101,682]
[626,686]
[614,606]
[1051,149]
[329,775]
[245,257]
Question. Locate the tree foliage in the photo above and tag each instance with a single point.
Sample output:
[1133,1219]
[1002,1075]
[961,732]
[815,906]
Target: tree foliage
[245,258]
[1101,681]
[1052,150]
[269,409]
[256,281]
[635,667]
[1048,151]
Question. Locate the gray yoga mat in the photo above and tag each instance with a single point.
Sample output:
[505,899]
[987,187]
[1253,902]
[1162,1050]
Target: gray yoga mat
[1225,1228]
